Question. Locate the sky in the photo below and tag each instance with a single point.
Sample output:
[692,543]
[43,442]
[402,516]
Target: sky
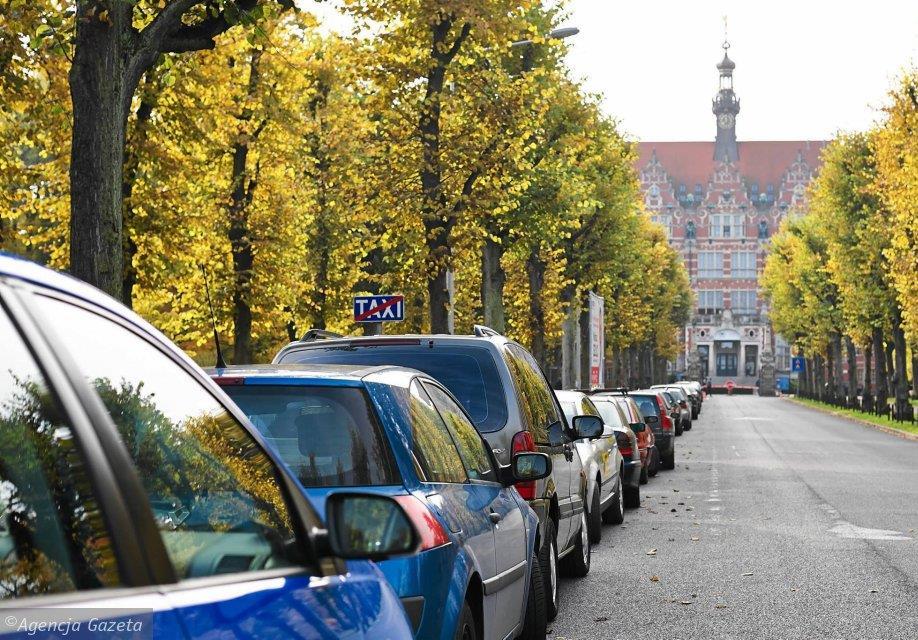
[805,69]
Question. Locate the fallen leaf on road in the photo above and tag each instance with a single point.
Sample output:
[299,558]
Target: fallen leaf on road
[681,503]
[672,511]
[873,591]
[794,589]
[690,508]
[672,539]
[676,490]
[600,619]
[654,578]
[695,538]
[748,573]
[720,606]
[687,602]
[652,552]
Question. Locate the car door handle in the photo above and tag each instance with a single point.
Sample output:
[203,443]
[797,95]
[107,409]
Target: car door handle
[495,517]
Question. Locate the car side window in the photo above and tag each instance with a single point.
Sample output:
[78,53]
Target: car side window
[214,493]
[588,409]
[53,537]
[435,455]
[470,444]
[536,404]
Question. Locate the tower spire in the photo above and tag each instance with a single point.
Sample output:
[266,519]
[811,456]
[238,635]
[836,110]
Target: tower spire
[725,107]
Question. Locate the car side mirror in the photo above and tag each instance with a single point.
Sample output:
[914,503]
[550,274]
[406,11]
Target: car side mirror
[588,427]
[529,466]
[637,427]
[368,527]
[651,419]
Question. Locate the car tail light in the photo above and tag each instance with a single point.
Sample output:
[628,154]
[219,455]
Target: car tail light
[523,442]
[228,381]
[665,420]
[429,528]
[624,444]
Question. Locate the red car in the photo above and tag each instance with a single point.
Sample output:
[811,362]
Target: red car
[646,441]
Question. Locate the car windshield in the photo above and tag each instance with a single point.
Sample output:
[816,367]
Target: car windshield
[468,372]
[328,436]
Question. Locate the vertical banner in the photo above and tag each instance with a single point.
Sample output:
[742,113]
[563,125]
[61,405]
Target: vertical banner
[597,340]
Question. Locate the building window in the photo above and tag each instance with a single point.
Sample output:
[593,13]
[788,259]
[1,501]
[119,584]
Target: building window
[667,222]
[710,301]
[727,226]
[710,264]
[742,264]
[743,301]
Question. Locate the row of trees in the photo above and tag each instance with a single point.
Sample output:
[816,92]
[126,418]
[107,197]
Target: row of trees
[843,279]
[431,158]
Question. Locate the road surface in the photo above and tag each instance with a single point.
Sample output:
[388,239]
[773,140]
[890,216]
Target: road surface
[779,522]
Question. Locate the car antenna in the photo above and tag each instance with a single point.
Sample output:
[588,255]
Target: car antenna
[221,363]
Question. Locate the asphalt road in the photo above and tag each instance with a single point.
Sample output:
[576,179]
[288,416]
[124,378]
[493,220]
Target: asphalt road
[779,522]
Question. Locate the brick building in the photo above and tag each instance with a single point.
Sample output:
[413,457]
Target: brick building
[720,202]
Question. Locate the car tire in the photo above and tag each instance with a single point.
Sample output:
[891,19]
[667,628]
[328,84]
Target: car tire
[645,471]
[548,565]
[535,625]
[615,512]
[577,562]
[654,462]
[594,516]
[633,497]
[466,629]
[688,426]
[669,461]
[678,427]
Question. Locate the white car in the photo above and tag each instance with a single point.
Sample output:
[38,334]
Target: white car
[602,464]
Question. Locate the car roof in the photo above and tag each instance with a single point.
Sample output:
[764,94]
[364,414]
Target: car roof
[316,374]
[570,395]
[402,339]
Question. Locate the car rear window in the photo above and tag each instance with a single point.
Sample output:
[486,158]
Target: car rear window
[468,372]
[609,413]
[328,436]
[647,405]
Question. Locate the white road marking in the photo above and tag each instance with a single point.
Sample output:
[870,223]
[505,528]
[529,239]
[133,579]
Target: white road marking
[845,529]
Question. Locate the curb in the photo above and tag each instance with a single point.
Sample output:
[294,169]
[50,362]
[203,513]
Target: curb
[878,427]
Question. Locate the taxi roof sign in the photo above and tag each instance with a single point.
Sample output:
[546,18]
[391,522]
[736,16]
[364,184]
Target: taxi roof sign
[384,308]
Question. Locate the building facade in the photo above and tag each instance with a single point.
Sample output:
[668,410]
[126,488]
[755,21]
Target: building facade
[720,201]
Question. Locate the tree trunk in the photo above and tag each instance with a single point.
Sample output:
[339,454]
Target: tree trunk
[818,374]
[240,235]
[570,337]
[321,234]
[851,389]
[101,87]
[867,399]
[903,408]
[838,390]
[535,271]
[493,278]
[879,354]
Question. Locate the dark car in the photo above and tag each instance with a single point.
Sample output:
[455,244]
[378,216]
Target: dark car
[653,408]
[509,400]
[673,410]
[135,489]
[627,441]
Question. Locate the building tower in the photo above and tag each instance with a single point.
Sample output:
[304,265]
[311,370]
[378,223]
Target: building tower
[725,107]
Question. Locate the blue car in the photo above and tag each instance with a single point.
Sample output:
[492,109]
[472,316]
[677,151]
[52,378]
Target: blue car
[137,501]
[398,432]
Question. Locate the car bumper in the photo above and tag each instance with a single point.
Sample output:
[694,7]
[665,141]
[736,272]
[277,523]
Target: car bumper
[665,443]
[632,473]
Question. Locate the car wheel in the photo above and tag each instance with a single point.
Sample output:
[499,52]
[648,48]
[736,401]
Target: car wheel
[633,497]
[615,512]
[535,626]
[679,427]
[688,426]
[669,461]
[645,471]
[466,630]
[654,462]
[595,516]
[548,563]
[577,562]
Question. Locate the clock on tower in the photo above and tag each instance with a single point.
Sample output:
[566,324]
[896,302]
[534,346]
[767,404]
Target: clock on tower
[725,121]
[725,107]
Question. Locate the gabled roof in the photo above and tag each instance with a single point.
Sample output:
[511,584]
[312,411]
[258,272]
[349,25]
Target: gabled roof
[764,162]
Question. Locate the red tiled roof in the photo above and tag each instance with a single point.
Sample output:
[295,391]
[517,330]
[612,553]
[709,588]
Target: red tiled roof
[759,161]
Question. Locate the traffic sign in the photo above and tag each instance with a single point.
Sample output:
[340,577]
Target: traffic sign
[388,308]
[798,364]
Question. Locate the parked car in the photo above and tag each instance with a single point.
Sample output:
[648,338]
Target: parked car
[511,404]
[653,408]
[602,463]
[135,487]
[650,457]
[693,389]
[613,416]
[673,409]
[400,433]
[680,397]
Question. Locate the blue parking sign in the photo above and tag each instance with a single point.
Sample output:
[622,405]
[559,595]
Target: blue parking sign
[798,364]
